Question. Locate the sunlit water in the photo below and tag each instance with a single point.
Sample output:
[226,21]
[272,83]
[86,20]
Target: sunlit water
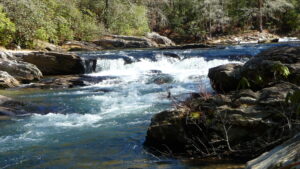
[104,125]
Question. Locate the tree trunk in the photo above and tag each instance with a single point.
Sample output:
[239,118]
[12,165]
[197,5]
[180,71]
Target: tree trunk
[106,14]
[260,15]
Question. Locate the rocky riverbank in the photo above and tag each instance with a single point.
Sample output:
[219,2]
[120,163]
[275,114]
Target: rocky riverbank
[255,109]
[33,70]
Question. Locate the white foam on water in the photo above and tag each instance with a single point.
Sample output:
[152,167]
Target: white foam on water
[131,96]
[289,39]
[181,70]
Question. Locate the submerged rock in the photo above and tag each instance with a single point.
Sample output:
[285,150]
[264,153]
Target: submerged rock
[10,107]
[172,55]
[160,79]
[51,63]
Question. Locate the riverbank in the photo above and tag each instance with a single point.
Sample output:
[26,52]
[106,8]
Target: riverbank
[255,109]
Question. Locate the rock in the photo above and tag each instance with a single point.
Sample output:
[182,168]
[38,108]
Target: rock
[10,107]
[172,55]
[286,155]
[189,46]
[271,66]
[160,40]
[225,78]
[80,46]
[22,71]
[160,79]
[237,122]
[51,63]
[64,82]
[46,46]
[248,117]
[7,81]
[7,56]
[245,38]
[117,42]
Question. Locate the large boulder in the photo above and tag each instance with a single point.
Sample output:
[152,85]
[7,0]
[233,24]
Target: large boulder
[80,46]
[22,71]
[118,41]
[160,40]
[46,46]
[225,78]
[238,124]
[271,66]
[7,81]
[51,63]
[286,156]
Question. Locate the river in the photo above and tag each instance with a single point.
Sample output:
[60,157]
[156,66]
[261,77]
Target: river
[104,125]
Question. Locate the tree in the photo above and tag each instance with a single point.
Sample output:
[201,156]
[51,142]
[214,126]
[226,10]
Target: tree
[7,28]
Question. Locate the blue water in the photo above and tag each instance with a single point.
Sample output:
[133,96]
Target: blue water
[104,125]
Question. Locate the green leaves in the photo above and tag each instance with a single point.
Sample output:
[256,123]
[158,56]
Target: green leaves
[7,28]
[280,69]
[243,84]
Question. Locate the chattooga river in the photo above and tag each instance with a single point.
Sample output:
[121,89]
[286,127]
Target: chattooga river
[104,125]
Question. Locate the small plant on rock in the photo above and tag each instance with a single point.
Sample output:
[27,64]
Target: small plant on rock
[281,70]
[244,83]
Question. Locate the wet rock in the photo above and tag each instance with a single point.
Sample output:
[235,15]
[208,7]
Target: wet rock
[52,63]
[160,79]
[225,77]
[286,155]
[155,72]
[172,55]
[7,81]
[22,71]
[69,81]
[160,40]
[80,46]
[10,107]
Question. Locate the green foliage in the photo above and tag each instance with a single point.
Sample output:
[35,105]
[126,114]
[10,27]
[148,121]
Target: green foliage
[129,20]
[195,115]
[258,80]
[23,21]
[280,69]
[243,83]
[7,28]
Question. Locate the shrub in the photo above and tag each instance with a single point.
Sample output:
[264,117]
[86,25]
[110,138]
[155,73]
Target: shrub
[7,28]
